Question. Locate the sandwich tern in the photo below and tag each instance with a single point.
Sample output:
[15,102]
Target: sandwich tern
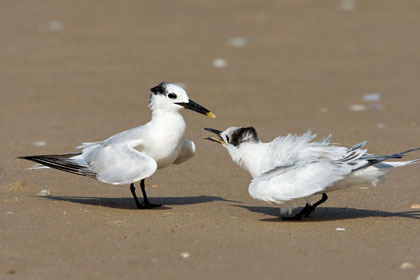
[135,154]
[293,167]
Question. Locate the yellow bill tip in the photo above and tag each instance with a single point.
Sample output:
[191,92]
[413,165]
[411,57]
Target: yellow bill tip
[220,141]
[211,115]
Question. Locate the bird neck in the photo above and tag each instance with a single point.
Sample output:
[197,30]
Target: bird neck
[171,120]
[163,110]
[250,156]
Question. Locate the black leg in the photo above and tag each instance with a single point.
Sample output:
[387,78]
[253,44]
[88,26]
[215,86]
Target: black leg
[146,203]
[322,200]
[133,192]
[304,212]
[308,209]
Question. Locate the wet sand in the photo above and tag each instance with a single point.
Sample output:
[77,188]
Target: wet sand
[73,72]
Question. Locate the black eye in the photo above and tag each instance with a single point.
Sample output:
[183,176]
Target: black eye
[172,95]
[227,138]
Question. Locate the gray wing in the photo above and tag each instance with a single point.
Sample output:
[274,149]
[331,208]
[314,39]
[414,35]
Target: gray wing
[119,163]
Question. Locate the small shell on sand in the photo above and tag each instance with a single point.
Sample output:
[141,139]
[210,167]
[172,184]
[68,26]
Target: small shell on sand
[185,255]
[406,265]
[39,143]
[44,193]
[375,96]
[238,42]
[357,107]
[220,63]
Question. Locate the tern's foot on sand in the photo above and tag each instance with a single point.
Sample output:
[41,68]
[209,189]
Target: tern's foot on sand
[306,211]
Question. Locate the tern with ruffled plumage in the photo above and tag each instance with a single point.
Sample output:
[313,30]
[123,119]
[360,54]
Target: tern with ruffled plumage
[295,167]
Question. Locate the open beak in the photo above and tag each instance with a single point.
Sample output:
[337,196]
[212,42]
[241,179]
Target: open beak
[219,139]
[197,107]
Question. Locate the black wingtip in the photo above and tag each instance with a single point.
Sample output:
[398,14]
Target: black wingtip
[377,159]
[32,158]
[62,163]
[25,157]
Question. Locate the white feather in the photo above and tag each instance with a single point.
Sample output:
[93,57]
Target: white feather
[187,151]
[137,153]
[298,181]
[293,167]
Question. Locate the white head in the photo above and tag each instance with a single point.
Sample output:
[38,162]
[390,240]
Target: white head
[234,139]
[169,97]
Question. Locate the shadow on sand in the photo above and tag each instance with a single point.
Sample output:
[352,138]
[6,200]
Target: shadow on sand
[331,213]
[128,202]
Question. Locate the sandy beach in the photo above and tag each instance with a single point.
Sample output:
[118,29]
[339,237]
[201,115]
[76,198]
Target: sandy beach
[80,71]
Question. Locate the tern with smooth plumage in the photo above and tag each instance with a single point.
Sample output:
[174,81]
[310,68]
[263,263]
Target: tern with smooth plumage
[134,155]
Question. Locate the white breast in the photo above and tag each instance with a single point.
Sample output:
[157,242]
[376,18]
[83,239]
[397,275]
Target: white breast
[165,139]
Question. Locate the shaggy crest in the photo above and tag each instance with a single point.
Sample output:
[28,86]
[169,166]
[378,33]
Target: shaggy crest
[243,134]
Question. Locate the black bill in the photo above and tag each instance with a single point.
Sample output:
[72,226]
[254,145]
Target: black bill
[197,107]
[214,139]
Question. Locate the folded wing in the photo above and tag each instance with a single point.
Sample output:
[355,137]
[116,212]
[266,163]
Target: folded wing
[286,183]
[118,163]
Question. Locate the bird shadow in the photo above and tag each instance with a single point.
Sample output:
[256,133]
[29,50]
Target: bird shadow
[128,202]
[331,213]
